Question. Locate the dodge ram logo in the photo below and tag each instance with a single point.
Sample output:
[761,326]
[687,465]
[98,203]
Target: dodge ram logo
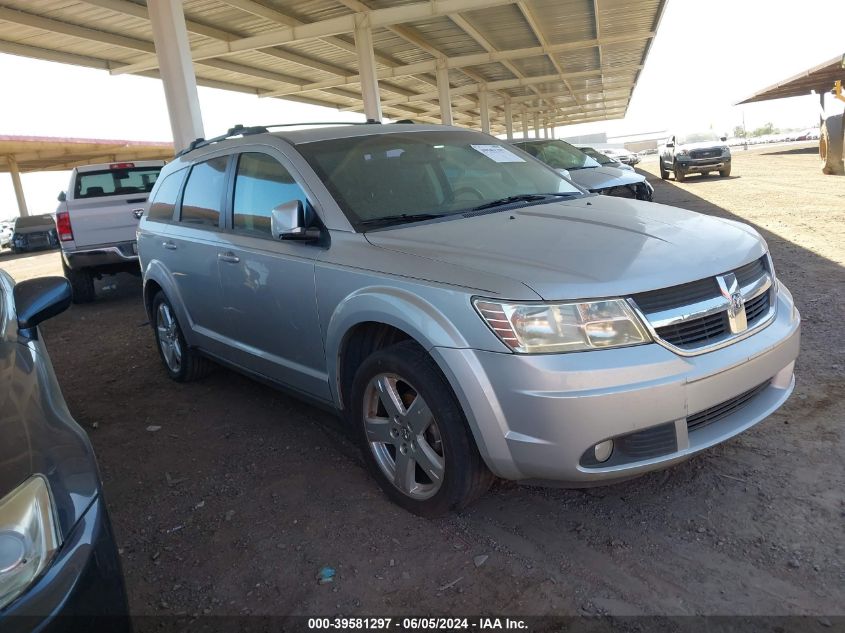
[729,287]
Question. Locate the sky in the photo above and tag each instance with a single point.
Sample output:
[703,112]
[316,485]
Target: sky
[706,56]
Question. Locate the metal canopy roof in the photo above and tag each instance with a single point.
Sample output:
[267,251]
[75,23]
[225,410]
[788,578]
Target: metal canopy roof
[819,78]
[44,153]
[570,61]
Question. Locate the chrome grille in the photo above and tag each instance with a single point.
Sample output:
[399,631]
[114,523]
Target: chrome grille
[694,317]
[724,409]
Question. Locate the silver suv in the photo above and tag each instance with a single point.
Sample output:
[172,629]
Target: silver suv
[466,309]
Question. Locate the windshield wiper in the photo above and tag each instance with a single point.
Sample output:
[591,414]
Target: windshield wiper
[525,197]
[399,218]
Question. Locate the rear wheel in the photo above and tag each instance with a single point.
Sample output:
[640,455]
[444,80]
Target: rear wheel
[82,284]
[680,174]
[831,146]
[413,434]
[181,363]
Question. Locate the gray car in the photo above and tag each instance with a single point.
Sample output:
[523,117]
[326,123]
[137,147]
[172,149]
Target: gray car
[467,310]
[586,171]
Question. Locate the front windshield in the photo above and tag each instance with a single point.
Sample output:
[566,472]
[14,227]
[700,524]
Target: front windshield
[600,158]
[558,154]
[381,176]
[698,137]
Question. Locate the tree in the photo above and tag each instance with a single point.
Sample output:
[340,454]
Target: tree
[768,128]
[739,132]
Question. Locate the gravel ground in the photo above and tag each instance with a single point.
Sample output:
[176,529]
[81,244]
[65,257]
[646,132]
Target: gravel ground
[228,497]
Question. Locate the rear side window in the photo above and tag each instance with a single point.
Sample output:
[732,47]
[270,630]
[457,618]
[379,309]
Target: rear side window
[161,207]
[115,182]
[261,184]
[203,197]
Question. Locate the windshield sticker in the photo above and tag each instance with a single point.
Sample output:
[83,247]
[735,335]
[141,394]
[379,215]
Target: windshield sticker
[498,153]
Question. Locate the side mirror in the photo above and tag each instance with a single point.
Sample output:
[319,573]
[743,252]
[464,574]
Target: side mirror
[724,138]
[37,300]
[670,143]
[287,222]
[62,196]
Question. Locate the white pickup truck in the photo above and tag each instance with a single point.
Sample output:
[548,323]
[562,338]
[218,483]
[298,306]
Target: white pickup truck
[97,218]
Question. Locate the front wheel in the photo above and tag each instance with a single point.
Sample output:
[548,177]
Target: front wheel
[680,174]
[664,173]
[413,434]
[181,363]
[724,173]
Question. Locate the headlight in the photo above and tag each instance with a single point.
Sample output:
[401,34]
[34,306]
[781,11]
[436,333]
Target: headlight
[726,151]
[532,328]
[683,152]
[28,537]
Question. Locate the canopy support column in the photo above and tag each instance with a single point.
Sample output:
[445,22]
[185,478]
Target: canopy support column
[16,183]
[524,124]
[484,108]
[367,68]
[509,119]
[536,125]
[443,91]
[167,20]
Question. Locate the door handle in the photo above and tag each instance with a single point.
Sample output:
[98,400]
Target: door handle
[169,245]
[137,213]
[231,258]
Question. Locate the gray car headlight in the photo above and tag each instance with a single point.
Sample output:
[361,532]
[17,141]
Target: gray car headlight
[531,328]
[28,536]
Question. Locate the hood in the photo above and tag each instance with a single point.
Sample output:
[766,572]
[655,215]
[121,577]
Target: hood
[597,178]
[596,246]
[703,145]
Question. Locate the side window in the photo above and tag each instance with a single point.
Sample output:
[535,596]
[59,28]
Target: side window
[161,207]
[203,197]
[261,184]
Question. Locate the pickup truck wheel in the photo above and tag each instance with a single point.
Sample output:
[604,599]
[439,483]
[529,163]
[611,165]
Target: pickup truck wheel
[413,434]
[181,363]
[724,173]
[664,173]
[82,284]
[680,174]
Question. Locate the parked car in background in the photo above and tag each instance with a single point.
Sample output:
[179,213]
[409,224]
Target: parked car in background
[699,152]
[59,566]
[7,229]
[604,159]
[33,232]
[466,309]
[622,155]
[97,218]
[586,171]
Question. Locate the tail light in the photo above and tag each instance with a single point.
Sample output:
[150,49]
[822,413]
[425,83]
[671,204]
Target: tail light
[63,226]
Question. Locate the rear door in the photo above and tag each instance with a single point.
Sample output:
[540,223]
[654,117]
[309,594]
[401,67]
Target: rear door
[102,202]
[269,298]
[189,251]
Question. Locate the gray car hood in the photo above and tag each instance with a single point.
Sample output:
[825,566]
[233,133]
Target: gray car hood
[597,178]
[596,246]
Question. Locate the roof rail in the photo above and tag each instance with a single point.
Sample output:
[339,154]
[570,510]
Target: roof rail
[240,130]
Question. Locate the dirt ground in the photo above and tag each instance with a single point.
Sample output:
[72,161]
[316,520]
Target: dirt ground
[244,494]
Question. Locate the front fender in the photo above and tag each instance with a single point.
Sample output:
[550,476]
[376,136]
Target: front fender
[157,273]
[392,306]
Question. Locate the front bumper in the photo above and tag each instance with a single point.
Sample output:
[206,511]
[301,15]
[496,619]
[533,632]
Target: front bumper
[81,590]
[535,417]
[125,253]
[704,164]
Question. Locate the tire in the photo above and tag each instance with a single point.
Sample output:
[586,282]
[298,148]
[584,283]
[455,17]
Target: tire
[181,363]
[831,146]
[82,284]
[724,173]
[664,173]
[680,174]
[444,470]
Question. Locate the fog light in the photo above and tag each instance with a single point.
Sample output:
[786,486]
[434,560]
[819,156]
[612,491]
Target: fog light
[603,450]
